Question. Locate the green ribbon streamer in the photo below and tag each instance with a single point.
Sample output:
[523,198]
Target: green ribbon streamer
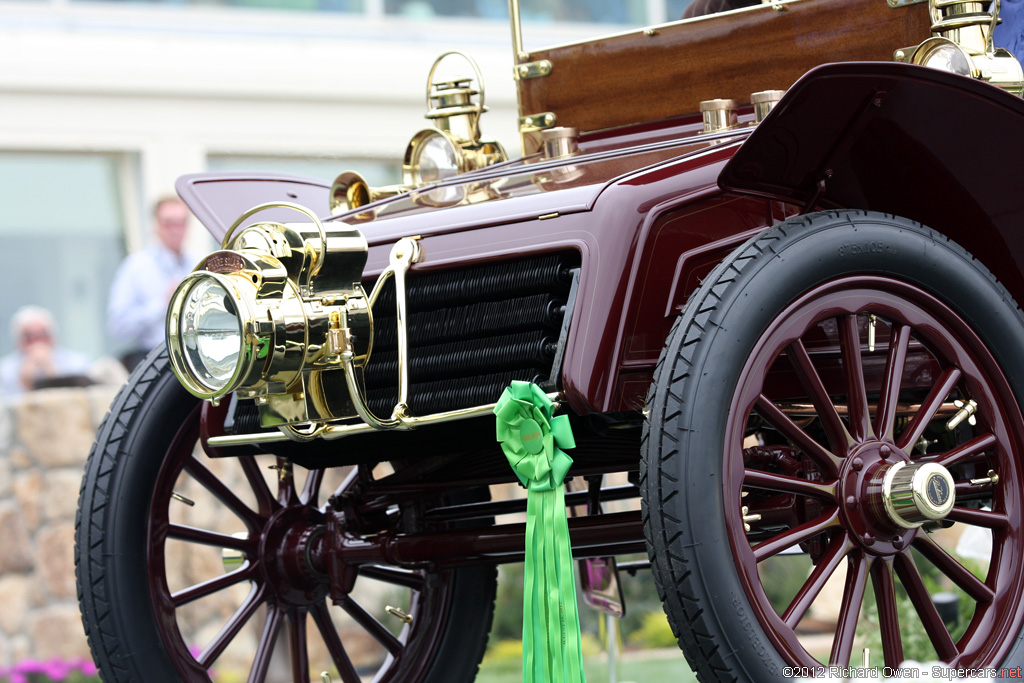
[532,441]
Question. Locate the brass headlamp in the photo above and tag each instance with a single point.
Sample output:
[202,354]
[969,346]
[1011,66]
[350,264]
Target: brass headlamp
[270,317]
[454,146]
[961,43]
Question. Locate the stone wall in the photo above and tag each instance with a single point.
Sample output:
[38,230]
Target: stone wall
[45,438]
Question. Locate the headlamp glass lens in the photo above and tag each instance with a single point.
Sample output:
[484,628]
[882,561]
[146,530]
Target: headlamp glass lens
[948,58]
[436,160]
[211,334]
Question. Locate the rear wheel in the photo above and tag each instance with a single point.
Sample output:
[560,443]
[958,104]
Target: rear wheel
[834,451]
[188,564]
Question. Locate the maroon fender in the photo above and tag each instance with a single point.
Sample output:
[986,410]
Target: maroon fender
[920,143]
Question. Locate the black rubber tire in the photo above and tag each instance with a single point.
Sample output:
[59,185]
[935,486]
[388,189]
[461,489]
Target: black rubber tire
[111,532]
[688,404]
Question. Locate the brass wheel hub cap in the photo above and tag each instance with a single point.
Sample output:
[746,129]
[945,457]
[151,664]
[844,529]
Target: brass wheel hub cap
[917,493]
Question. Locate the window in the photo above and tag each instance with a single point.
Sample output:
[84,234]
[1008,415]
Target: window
[63,230]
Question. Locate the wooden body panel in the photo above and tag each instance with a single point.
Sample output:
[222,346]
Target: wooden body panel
[632,78]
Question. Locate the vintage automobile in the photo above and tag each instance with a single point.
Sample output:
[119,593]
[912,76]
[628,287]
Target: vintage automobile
[787,321]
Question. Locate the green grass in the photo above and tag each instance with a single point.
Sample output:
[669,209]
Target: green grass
[635,668]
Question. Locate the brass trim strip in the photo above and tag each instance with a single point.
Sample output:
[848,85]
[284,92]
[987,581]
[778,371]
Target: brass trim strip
[332,432]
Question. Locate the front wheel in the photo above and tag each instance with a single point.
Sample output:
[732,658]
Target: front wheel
[188,564]
[833,454]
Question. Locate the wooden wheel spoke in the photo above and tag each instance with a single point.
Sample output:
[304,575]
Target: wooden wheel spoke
[957,573]
[215,486]
[376,629]
[264,498]
[823,571]
[838,437]
[756,479]
[966,451]
[297,641]
[849,612]
[232,628]
[828,462]
[211,538]
[322,618]
[939,636]
[983,518]
[774,546]
[888,618]
[945,384]
[201,590]
[398,577]
[265,649]
[895,362]
[853,369]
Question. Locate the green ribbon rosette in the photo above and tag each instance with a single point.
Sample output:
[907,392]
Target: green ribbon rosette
[532,441]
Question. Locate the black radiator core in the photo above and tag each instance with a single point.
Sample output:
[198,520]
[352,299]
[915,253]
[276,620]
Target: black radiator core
[471,332]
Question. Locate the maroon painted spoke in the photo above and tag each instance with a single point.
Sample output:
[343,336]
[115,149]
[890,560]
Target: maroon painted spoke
[849,612]
[823,571]
[231,629]
[399,577]
[888,618]
[910,577]
[771,481]
[297,640]
[213,538]
[948,565]
[311,488]
[265,650]
[215,486]
[965,490]
[838,438]
[985,518]
[264,498]
[828,462]
[856,393]
[966,451]
[376,629]
[895,362]
[947,380]
[201,590]
[774,546]
[322,618]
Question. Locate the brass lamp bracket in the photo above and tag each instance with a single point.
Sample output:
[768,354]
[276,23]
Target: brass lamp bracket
[537,122]
[529,70]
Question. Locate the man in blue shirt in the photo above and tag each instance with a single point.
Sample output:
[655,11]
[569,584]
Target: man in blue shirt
[1010,33]
[145,281]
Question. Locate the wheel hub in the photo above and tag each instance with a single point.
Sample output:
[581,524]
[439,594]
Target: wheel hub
[287,549]
[914,494]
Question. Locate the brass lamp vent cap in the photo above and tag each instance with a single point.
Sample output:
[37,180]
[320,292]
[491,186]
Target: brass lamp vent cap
[718,115]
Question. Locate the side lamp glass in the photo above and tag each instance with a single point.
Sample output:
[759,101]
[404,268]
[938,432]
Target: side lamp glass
[206,323]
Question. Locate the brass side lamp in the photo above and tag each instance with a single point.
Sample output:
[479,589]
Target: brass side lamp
[454,146]
[961,43]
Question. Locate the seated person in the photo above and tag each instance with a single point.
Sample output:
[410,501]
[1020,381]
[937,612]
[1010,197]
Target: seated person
[38,360]
[698,8]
